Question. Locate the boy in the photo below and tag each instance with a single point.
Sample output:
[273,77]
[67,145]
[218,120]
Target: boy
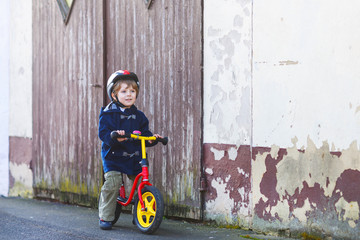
[119,156]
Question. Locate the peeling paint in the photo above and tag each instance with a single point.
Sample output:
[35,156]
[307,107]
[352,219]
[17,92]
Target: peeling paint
[227,198]
[232,153]
[226,61]
[218,154]
[280,211]
[23,179]
[309,189]
[348,210]
[20,168]
[288,62]
[313,187]
[209,171]
[223,203]
[301,212]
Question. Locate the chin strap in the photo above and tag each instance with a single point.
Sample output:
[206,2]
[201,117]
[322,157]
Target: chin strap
[117,102]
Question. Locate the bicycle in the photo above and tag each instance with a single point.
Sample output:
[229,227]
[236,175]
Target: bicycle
[148,204]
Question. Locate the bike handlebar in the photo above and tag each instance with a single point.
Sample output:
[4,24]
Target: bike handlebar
[114,135]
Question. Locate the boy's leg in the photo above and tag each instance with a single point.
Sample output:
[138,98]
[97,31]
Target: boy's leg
[108,195]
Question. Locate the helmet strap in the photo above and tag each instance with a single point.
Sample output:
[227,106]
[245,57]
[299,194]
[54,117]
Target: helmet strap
[117,102]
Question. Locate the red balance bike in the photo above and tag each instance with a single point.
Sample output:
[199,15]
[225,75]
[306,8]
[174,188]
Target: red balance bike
[149,203]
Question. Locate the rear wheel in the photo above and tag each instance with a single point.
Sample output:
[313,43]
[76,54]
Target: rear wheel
[148,221]
[117,213]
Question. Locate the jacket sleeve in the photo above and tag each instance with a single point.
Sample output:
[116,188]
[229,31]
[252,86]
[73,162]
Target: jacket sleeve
[105,128]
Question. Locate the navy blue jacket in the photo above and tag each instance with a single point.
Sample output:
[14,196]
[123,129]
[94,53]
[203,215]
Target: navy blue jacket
[121,156]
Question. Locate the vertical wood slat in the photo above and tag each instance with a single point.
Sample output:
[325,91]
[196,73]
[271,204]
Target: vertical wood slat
[67,64]
[163,46]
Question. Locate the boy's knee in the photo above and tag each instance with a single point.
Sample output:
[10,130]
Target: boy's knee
[113,181]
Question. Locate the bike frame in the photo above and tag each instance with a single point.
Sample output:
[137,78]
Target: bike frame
[144,173]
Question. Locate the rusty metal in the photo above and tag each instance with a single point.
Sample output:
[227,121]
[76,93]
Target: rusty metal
[203,184]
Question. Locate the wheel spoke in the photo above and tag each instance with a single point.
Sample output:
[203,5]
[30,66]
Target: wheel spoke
[148,215]
[146,201]
[151,207]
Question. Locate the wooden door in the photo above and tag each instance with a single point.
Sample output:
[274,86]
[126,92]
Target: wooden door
[162,45]
[68,74]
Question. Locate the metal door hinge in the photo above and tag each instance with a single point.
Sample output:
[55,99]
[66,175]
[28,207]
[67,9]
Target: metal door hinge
[203,184]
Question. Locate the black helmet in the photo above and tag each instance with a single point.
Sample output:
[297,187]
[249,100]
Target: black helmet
[118,75]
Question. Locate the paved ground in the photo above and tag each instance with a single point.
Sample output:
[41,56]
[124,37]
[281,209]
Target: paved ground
[34,219]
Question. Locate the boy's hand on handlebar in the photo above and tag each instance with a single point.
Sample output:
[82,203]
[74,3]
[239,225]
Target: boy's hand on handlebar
[157,136]
[121,136]
[121,132]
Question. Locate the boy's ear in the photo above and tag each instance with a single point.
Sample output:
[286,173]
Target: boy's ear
[113,95]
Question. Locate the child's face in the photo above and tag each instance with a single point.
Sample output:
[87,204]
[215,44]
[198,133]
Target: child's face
[126,95]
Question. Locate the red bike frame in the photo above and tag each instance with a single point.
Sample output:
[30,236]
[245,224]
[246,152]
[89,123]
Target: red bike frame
[144,174]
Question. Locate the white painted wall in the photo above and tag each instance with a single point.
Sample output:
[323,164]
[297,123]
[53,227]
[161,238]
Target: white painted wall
[4,98]
[21,68]
[303,77]
[16,83]
[20,102]
[227,94]
[306,73]
[286,75]
[227,71]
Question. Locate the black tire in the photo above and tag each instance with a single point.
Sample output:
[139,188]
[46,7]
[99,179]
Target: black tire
[117,213]
[148,221]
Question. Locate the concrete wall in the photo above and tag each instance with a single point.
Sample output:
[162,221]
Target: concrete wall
[227,110]
[4,98]
[281,115]
[306,108]
[20,105]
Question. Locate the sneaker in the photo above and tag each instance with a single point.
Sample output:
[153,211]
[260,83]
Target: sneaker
[124,200]
[104,225]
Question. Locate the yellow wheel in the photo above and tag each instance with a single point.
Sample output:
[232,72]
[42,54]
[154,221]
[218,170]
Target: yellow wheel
[150,219]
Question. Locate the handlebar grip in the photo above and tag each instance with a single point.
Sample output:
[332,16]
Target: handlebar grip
[164,140]
[114,135]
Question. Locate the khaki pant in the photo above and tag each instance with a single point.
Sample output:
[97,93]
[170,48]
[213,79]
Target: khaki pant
[109,194]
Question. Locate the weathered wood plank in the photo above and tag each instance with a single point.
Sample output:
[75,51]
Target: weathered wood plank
[68,64]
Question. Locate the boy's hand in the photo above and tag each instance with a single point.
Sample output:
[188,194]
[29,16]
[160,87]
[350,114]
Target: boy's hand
[157,136]
[121,132]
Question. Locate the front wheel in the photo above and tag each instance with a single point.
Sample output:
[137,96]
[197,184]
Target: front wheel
[148,221]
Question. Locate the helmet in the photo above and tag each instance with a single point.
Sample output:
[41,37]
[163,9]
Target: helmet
[118,75]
